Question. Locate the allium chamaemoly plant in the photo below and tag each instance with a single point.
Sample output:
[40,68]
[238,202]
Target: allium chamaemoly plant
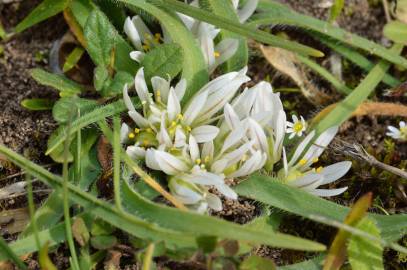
[220,135]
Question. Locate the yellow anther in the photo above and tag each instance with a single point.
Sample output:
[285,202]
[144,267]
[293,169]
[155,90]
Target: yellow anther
[303,162]
[172,149]
[315,160]
[136,130]
[158,93]
[319,169]
[157,37]
[149,130]
[173,124]
[132,135]
[203,166]
[146,47]
[244,157]
[206,159]
[145,142]
[147,35]
[198,161]
[180,116]
[216,54]
[188,128]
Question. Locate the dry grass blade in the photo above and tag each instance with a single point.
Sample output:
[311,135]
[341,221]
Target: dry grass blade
[14,221]
[287,63]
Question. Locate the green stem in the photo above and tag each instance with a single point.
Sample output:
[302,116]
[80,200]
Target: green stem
[31,209]
[116,162]
[148,257]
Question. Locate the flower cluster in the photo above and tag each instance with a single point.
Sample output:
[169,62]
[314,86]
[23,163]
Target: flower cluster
[205,34]
[220,134]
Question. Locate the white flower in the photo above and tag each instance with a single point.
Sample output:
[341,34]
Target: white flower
[215,54]
[398,133]
[297,127]
[299,173]
[162,123]
[246,11]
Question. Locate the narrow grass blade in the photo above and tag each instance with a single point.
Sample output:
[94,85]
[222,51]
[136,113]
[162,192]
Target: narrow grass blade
[116,162]
[9,254]
[277,13]
[231,26]
[274,193]
[347,106]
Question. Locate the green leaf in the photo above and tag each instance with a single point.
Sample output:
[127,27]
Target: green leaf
[255,262]
[100,38]
[336,10]
[59,82]
[43,11]
[103,241]
[99,227]
[365,254]
[312,264]
[207,243]
[63,106]
[196,224]
[276,13]
[37,104]
[7,253]
[396,31]
[100,77]
[116,85]
[272,192]
[72,59]
[164,61]
[114,11]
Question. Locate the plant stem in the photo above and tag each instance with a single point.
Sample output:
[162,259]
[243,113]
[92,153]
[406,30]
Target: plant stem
[148,257]
[116,162]
[31,209]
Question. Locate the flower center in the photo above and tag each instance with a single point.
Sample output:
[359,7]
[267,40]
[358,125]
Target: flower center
[216,54]
[298,127]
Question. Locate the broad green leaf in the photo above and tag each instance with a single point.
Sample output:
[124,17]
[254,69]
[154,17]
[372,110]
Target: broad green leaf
[81,10]
[194,67]
[103,241]
[337,252]
[207,243]
[72,59]
[100,38]
[37,104]
[255,262]
[346,107]
[225,9]
[94,116]
[64,106]
[164,61]
[270,191]
[100,77]
[396,31]
[59,82]
[365,254]
[277,13]
[116,85]
[43,11]
[312,264]
[230,25]
[196,224]
[114,11]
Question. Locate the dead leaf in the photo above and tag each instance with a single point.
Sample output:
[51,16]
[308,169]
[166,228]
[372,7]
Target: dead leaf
[287,63]
[398,91]
[112,261]
[14,221]
[80,231]
[337,252]
[105,157]
[15,188]
[367,108]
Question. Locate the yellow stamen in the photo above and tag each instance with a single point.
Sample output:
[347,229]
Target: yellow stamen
[132,135]
[188,128]
[303,162]
[173,124]
[216,54]
[319,169]
[136,130]
[298,127]
[149,130]
[206,159]
[158,95]
[198,161]
[315,160]
[244,157]
[180,116]
[146,47]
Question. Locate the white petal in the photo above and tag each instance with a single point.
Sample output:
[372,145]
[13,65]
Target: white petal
[243,103]
[318,147]
[132,33]
[162,85]
[193,148]
[137,56]
[279,131]
[227,191]
[247,10]
[328,192]
[219,166]
[208,48]
[151,160]
[169,163]
[180,88]
[194,107]
[308,181]
[124,133]
[205,133]
[231,118]
[136,152]
[204,178]
[127,100]
[138,119]
[335,171]
[214,202]
[257,133]
[162,136]
[402,124]
[285,165]
[180,138]
[301,147]
[226,49]
[142,28]
[249,166]
[208,150]
[183,193]
[234,137]
[237,154]
[141,86]
[173,105]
